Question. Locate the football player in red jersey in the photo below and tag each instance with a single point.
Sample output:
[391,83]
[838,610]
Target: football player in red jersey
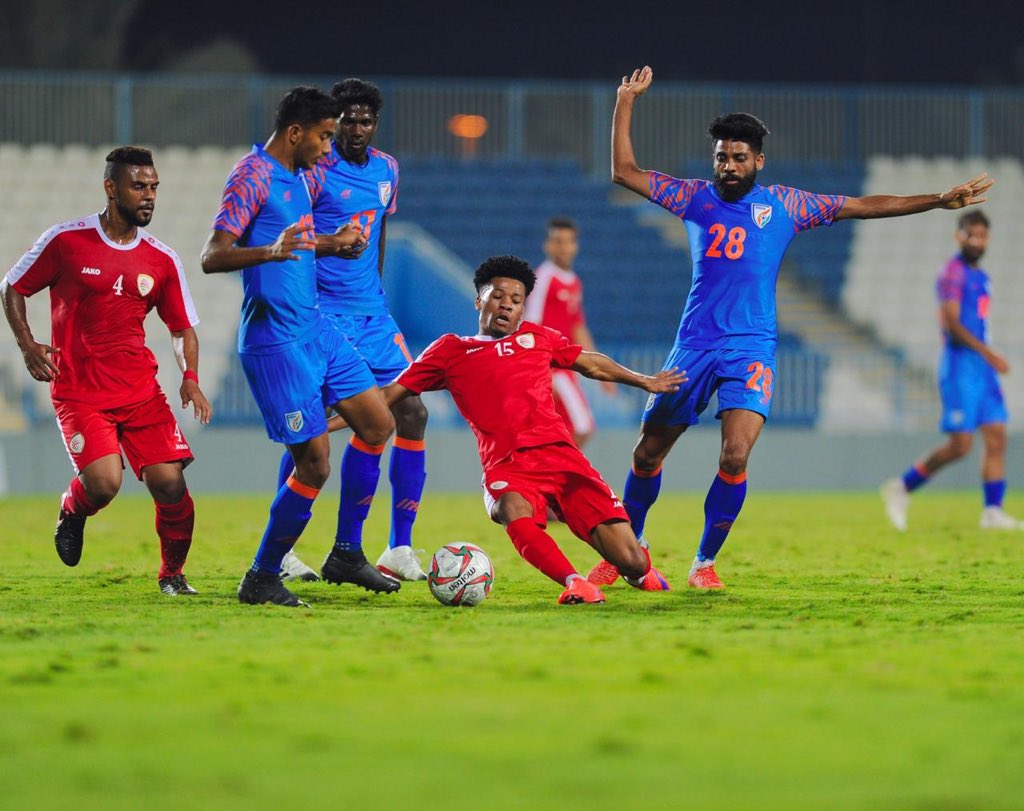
[500,380]
[104,274]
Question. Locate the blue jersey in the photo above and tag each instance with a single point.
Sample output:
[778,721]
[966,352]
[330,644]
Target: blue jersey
[279,300]
[365,194]
[969,286]
[736,250]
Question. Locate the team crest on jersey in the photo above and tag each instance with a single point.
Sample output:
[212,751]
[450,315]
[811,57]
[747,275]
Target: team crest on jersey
[294,420]
[145,284]
[761,213]
[526,341]
[498,485]
[384,191]
[77,443]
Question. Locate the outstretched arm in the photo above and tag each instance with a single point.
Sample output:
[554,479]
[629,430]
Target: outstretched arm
[186,352]
[37,355]
[890,205]
[222,255]
[392,393]
[601,367]
[625,171]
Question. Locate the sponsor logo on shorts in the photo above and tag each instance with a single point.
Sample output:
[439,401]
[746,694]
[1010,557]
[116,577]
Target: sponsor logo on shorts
[761,214]
[617,504]
[77,443]
[499,485]
[294,420]
[145,284]
[956,416]
[91,271]
[650,402]
[181,447]
[526,341]
[384,191]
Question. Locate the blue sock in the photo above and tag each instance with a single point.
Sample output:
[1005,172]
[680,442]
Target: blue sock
[286,468]
[994,492]
[639,494]
[289,514]
[360,470]
[407,471]
[914,477]
[723,504]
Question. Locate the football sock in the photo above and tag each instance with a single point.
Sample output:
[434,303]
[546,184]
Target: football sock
[723,504]
[286,468]
[994,492]
[639,494]
[407,472]
[174,524]
[75,501]
[289,514]
[540,550]
[914,477]
[360,471]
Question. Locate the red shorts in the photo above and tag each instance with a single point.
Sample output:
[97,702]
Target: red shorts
[146,431]
[557,476]
[571,403]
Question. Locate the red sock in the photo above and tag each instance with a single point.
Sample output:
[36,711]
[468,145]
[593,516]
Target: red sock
[75,501]
[174,524]
[539,549]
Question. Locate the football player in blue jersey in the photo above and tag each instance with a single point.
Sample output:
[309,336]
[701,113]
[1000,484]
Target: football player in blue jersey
[738,232]
[357,184]
[972,399]
[295,361]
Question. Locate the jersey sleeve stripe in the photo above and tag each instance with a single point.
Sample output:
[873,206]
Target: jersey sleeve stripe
[24,265]
[186,294]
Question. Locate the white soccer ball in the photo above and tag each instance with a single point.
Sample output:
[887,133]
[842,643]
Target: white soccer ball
[460,574]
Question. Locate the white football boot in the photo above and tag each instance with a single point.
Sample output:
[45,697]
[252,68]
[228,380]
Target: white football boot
[401,563]
[292,568]
[897,502]
[995,518]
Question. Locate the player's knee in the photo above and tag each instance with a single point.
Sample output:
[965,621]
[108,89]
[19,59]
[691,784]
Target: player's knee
[410,418]
[960,446]
[733,461]
[102,489]
[645,462]
[314,471]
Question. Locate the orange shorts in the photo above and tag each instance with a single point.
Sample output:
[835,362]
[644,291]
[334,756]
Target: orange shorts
[147,432]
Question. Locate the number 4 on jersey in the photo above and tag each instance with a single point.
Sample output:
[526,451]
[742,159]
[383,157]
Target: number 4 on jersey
[119,285]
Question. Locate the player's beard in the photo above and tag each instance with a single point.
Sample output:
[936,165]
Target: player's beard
[972,255]
[139,217]
[733,193]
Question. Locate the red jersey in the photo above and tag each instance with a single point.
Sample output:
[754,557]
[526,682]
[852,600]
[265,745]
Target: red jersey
[556,300]
[100,293]
[501,386]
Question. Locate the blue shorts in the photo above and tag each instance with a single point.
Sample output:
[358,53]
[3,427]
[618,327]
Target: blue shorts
[292,386]
[971,396]
[743,379]
[380,342]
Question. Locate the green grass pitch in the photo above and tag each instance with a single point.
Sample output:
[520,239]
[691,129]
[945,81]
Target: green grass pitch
[846,667]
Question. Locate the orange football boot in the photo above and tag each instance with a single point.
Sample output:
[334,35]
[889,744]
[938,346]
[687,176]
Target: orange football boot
[580,590]
[705,578]
[652,581]
[603,574]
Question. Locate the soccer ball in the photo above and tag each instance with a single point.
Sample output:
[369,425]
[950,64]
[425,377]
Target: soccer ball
[460,574]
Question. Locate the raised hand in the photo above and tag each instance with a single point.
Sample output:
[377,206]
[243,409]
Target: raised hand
[636,84]
[665,381]
[968,194]
[291,239]
[38,363]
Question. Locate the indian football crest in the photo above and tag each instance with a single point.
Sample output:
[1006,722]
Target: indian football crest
[145,284]
[294,420]
[761,213]
[384,191]
[77,443]
[526,341]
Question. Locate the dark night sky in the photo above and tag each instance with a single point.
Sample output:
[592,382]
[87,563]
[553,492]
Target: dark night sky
[938,42]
